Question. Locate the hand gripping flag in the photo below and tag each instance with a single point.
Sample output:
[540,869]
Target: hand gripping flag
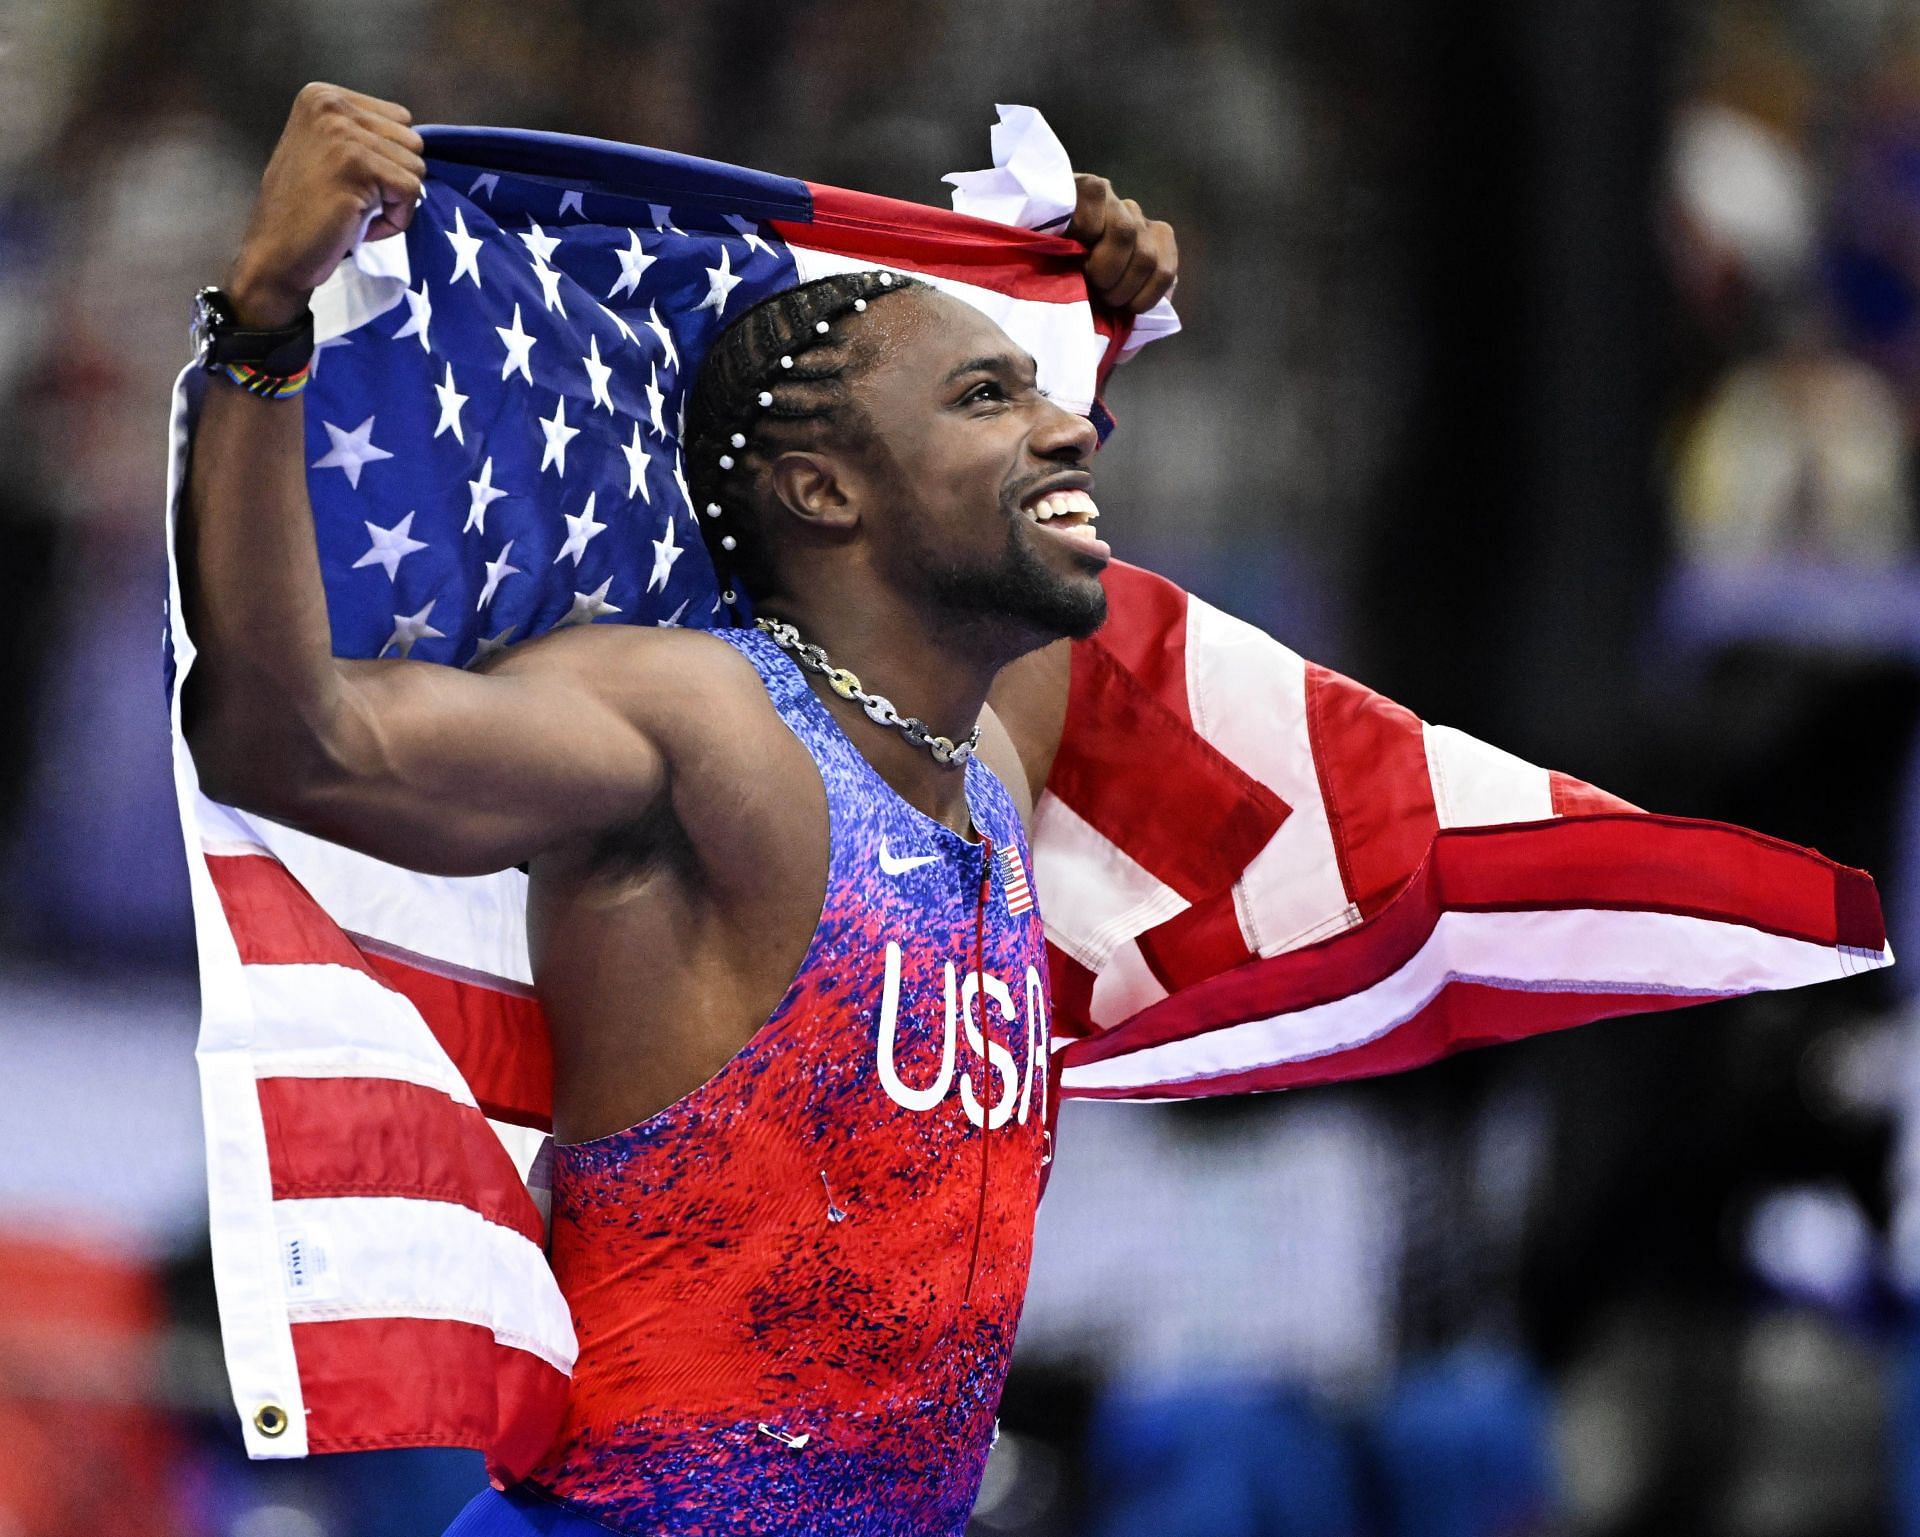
[1255,873]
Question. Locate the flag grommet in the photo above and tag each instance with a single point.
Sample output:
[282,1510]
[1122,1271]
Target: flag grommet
[270,1420]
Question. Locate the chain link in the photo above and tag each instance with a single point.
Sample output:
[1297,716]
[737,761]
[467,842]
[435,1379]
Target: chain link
[878,707]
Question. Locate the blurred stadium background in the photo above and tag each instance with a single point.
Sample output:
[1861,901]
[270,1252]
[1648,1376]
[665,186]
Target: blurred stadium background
[1551,365]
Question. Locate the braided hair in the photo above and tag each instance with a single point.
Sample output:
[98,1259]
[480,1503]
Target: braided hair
[778,379]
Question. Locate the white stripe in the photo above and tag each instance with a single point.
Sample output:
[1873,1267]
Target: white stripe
[394,1257]
[326,1021]
[1127,986]
[254,1335]
[1101,895]
[1248,697]
[1061,337]
[478,922]
[1476,784]
[1583,950]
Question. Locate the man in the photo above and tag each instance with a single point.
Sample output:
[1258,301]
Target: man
[795,1257]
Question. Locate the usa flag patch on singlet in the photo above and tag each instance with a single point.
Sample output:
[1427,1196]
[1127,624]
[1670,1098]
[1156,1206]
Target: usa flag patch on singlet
[1013,881]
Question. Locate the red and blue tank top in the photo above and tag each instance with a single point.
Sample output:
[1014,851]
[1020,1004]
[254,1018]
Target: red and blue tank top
[796,1289]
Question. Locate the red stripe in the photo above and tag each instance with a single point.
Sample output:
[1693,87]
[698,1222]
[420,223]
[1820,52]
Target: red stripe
[497,1039]
[1201,942]
[1123,755]
[1070,988]
[937,241]
[1146,633]
[405,1140]
[1372,760]
[1626,861]
[1575,797]
[438,1382]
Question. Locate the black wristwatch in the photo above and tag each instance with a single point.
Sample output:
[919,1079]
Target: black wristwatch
[266,363]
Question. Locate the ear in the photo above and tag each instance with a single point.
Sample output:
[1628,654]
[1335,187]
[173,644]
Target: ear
[812,488]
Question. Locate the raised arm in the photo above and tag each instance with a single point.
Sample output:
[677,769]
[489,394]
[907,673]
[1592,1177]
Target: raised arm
[424,765]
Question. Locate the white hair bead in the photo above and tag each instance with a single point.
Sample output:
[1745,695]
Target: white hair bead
[820,326]
[738,440]
[713,509]
[728,596]
[786,362]
[886,280]
[729,543]
[726,461]
[766,397]
[860,305]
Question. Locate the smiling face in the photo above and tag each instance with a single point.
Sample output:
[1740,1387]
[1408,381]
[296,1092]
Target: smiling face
[971,488]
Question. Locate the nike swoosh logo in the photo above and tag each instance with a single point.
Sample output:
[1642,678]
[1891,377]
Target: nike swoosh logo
[890,865]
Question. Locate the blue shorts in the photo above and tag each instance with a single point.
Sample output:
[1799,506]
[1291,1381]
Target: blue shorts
[521,1513]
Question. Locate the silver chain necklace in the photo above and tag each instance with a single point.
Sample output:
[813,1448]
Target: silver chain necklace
[879,708]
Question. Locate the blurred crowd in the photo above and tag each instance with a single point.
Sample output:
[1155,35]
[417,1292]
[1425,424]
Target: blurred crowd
[1553,368]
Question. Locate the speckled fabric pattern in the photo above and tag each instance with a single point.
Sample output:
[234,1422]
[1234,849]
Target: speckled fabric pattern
[796,1289]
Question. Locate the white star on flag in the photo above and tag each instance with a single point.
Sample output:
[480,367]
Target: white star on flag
[654,399]
[662,217]
[614,315]
[408,629]
[519,348]
[466,249]
[572,198]
[351,451]
[721,281]
[420,319]
[598,373]
[589,606]
[655,325]
[672,621]
[680,480]
[639,461]
[749,232]
[484,494]
[550,286]
[540,243]
[491,645]
[559,435]
[485,182]
[665,553]
[634,262]
[451,400]
[497,572]
[390,546]
[581,531]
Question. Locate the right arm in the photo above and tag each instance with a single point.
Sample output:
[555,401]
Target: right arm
[423,765]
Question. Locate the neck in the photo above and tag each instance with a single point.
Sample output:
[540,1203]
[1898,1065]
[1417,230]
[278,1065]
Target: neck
[923,668]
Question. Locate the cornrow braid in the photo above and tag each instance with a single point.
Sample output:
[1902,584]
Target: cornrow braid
[777,379]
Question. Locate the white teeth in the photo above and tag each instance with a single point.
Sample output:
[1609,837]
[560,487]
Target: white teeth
[1058,504]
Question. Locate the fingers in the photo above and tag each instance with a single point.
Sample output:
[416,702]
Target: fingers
[1132,261]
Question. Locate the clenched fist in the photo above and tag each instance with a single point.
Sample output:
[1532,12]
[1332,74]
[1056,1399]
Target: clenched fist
[1132,261]
[342,157]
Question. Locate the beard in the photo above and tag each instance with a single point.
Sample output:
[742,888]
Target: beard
[1017,594]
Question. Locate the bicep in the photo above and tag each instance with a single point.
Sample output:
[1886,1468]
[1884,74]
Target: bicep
[456,772]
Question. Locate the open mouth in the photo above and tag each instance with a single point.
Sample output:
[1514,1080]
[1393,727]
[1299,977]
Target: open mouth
[1071,512]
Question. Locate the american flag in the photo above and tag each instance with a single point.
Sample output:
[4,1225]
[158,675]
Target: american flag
[1299,882]
[1013,881]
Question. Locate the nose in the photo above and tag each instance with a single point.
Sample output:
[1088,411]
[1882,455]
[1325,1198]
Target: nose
[1064,436]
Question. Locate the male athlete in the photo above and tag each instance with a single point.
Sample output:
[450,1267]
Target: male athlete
[780,925]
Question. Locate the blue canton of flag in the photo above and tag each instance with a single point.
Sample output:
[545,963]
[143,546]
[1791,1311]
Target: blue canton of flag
[499,453]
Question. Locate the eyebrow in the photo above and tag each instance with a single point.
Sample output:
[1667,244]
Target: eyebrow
[997,363]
